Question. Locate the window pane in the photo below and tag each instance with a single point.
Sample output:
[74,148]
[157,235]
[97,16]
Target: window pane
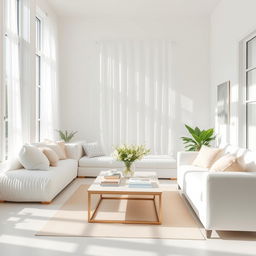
[38,70]
[38,34]
[251,85]
[39,102]
[251,53]
[251,126]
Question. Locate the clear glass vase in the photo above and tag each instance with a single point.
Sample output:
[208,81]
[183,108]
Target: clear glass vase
[129,169]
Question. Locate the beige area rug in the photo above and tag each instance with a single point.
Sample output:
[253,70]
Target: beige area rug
[179,221]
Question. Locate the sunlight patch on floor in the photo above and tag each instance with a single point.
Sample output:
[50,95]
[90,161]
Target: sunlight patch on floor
[38,243]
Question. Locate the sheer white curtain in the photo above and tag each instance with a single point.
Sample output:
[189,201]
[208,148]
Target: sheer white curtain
[27,70]
[12,74]
[49,90]
[135,94]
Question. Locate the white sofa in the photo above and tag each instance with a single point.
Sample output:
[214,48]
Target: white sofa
[23,185]
[163,165]
[221,200]
[37,186]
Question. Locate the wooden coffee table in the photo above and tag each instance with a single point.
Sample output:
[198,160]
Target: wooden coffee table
[124,192]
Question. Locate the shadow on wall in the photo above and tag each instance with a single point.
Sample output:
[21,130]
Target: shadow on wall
[138,102]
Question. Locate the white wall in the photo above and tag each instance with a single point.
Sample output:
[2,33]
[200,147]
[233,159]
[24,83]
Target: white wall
[231,22]
[78,61]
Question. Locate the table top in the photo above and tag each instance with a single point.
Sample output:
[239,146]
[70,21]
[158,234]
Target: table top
[124,187]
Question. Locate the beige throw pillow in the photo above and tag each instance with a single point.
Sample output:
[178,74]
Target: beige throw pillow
[51,155]
[206,156]
[57,147]
[227,163]
[63,147]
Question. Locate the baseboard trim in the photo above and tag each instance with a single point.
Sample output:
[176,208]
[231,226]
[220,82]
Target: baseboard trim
[46,202]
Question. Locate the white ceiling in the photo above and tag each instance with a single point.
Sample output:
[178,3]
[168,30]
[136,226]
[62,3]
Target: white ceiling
[133,8]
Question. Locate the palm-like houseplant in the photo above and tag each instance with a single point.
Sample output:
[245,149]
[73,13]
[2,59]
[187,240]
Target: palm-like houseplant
[199,138]
[66,136]
[128,154]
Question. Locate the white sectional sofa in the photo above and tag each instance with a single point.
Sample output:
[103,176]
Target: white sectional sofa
[23,185]
[221,200]
[37,186]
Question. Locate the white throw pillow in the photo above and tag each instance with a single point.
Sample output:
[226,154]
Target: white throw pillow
[33,159]
[93,149]
[227,163]
[13,164]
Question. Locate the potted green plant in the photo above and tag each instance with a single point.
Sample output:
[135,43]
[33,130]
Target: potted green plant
[199,138]
[128,154]
[66,136]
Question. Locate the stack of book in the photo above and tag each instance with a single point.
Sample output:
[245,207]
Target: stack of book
[140,183]
[111,178]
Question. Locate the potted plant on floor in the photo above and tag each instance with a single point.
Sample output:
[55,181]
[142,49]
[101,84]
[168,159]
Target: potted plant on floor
[128,154]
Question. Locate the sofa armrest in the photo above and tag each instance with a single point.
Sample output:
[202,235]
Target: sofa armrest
[230,200]
[74,150]
[186,157]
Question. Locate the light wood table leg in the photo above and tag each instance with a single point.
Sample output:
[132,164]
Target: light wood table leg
[89,206]
[160,208]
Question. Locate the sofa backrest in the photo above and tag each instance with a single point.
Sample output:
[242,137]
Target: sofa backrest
[246,157]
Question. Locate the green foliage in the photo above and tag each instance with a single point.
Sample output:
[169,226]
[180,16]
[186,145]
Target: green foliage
[66,135]
[199,138]
[130,153]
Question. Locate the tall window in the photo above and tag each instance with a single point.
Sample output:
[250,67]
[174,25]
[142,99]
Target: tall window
[251,93]
[12,77]
[38,76]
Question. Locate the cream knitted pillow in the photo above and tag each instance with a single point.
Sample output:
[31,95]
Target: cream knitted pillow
[206,157]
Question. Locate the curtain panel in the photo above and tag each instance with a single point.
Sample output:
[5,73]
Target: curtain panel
[13,120]
[49,89]
[135,94]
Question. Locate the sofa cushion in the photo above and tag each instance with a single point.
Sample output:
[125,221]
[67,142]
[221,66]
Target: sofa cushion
[149,162]
[100,161]
[157,162]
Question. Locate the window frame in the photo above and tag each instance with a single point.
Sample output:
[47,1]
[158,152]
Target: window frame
[247,102]
[38,56]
